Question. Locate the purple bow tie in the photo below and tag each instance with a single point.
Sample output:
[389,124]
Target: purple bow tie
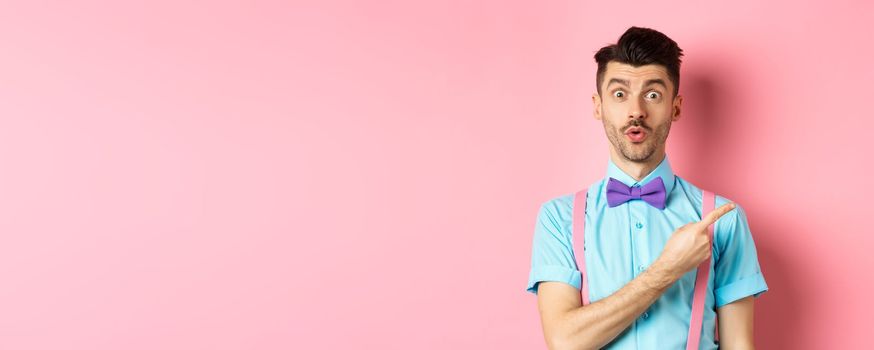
[653,193]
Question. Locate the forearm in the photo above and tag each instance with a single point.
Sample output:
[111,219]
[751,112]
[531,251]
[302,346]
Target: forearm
[594,325]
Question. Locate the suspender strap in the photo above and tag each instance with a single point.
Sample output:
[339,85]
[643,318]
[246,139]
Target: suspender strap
[579,238]
[708,204]
[703,275]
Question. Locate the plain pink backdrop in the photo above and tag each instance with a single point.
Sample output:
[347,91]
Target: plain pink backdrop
[366,175]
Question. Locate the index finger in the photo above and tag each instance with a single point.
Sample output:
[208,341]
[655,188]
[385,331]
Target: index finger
[717,213]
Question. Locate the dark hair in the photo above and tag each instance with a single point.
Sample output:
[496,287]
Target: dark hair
[641,46]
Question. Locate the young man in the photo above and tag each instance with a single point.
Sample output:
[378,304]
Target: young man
[645,235]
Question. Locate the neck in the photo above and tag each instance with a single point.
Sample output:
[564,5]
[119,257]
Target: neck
[637,170]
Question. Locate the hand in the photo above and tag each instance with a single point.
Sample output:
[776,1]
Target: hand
[690,245]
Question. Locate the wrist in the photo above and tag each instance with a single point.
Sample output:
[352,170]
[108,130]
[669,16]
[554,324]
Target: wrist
[663,273]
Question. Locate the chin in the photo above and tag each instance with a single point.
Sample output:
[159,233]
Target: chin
[639,157]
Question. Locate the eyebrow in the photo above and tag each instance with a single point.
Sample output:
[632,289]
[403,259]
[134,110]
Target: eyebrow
[617,81]
[656,81]
[647,83]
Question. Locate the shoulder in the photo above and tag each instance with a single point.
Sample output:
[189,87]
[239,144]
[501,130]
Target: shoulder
[561,206]
[557,208]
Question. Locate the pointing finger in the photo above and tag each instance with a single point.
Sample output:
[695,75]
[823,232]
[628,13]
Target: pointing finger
[716,214]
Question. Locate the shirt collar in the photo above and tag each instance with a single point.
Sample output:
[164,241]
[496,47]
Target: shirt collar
[663,170]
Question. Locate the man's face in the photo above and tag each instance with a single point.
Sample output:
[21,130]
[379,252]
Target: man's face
[637,107]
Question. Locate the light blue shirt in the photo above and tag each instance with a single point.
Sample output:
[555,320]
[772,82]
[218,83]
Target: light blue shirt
[621,242]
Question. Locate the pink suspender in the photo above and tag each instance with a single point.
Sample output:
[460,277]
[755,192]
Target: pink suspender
[700,293]
[708,204]
[578,227]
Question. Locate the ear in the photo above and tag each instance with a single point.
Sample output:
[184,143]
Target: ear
[596,102]
[678,105]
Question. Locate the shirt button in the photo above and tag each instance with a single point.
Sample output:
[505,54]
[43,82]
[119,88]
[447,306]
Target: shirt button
[641,268]
[645,315]
[638,225]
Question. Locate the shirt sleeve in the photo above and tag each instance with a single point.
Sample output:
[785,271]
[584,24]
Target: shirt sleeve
[552,252]
[737,271]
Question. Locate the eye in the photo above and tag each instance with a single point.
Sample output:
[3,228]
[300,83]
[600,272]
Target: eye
[653,95]
[619,93]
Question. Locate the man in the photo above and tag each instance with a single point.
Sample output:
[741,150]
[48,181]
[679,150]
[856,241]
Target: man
[641,257]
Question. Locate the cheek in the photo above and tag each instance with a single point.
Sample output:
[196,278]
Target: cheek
[613,111]
[664,109]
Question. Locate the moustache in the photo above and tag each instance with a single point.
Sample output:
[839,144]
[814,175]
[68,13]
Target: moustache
[636,123]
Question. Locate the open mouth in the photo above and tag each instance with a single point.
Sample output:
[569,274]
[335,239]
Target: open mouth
[636,134]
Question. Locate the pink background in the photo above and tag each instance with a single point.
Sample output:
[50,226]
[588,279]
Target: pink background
[265,175]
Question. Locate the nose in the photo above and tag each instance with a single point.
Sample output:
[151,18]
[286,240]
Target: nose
[636,110]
